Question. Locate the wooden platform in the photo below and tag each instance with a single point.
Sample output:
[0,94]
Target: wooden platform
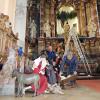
[64,81]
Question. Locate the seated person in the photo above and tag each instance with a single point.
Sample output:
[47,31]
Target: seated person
[71,62]
[51,55]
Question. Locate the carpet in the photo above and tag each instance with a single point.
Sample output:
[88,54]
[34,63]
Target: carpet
[93,84]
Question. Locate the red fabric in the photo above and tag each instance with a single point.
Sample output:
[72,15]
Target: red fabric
[43,84]
[33,87]
[36,71]
[42,81]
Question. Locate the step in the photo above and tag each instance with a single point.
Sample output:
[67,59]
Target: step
[88,77]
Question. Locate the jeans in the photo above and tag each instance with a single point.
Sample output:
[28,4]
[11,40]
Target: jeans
[51,76]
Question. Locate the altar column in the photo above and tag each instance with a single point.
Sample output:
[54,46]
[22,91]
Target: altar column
[78,16]
[41,42]
[82,19]
[94,15]
[53,18]
[42,12]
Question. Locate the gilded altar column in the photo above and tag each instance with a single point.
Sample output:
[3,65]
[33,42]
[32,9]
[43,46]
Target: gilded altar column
[42,12]
[83,19]
[41,39]
[78,16]
[52,18]
[94,15]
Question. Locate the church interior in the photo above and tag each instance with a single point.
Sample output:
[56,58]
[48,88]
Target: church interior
[50,30]
[32,26]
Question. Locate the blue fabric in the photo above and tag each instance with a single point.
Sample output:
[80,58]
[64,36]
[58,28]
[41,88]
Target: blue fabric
[62,64]
[72,64]
[20,51]
[51,76]
[51,56]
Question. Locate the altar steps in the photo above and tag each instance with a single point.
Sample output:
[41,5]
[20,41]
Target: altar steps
[88,77]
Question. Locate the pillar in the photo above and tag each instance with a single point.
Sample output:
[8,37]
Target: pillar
[53,18]
[78,16]
[42,9]
[94,15]
[82,13]
[41,42]
[20,21]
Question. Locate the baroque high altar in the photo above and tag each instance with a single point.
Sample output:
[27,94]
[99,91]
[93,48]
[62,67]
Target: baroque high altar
[43,28]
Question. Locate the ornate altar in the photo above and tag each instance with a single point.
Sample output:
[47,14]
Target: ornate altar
[7,37]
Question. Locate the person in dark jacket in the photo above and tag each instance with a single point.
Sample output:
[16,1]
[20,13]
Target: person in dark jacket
[51,55]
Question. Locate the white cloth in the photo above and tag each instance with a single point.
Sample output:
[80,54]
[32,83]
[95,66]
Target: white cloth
[36,62]
[43,64]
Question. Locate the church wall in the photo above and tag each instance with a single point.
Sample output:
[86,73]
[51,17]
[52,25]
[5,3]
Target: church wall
[11,11]
[8,8]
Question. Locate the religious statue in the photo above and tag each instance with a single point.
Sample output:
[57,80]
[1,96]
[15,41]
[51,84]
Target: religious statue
[92,28]
[66,28]
[47,29]
[33,29]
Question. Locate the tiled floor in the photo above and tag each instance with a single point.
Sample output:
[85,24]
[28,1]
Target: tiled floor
[78,93]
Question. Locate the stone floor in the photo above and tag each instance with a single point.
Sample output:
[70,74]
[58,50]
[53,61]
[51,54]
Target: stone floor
[78,93]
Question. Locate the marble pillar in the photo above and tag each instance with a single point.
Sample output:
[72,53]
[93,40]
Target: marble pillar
[20,21]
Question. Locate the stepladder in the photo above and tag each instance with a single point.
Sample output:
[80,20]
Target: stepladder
[73,36]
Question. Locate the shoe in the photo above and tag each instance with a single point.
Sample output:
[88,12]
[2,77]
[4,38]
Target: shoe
[63,77]
[46,91]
